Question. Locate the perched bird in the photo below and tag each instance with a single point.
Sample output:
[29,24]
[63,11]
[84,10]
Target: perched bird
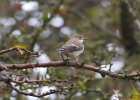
[73,47]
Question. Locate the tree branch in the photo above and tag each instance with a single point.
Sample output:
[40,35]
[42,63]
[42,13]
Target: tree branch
[61,90]
[7,78]
[127,30]
[77,65]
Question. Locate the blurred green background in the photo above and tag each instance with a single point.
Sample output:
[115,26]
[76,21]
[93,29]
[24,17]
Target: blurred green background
[110,26]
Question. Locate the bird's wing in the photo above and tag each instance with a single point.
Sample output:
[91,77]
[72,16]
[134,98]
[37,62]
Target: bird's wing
[69,48]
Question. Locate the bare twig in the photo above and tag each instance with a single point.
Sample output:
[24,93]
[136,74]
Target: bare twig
[68,80]
[3,67]
[61,90]
[20,51]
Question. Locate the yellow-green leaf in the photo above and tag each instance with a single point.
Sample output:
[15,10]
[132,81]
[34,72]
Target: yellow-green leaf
[135,94]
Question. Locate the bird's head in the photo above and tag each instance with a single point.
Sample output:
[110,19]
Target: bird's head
[78,37]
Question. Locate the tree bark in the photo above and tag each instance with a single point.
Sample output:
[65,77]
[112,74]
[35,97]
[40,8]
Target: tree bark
[127,30]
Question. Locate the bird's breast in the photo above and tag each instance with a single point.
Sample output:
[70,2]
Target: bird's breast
[76,53]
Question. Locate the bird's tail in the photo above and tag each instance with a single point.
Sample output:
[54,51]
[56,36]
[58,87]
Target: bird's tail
[60,50]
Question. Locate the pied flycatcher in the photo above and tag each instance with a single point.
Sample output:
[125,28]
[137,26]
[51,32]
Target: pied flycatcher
[73,47]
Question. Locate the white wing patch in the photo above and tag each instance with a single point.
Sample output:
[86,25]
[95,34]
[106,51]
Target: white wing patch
[74,45]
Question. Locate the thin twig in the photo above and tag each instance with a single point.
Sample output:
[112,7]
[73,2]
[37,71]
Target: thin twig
[19,49]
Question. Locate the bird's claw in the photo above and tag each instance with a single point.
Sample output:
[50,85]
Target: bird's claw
[66,61]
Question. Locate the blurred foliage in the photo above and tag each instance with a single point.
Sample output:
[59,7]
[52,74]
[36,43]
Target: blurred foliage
[19,27]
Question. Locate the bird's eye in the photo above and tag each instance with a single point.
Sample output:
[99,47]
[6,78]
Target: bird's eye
[80,37]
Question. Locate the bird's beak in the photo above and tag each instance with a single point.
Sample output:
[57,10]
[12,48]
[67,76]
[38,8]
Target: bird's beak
[85,38]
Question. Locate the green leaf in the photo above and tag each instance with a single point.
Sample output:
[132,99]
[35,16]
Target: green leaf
[135,94]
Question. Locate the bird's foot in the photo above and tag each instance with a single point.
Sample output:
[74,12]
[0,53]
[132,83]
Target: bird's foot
[66,61]
[76,63]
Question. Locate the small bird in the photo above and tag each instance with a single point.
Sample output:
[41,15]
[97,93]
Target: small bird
[73,47]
